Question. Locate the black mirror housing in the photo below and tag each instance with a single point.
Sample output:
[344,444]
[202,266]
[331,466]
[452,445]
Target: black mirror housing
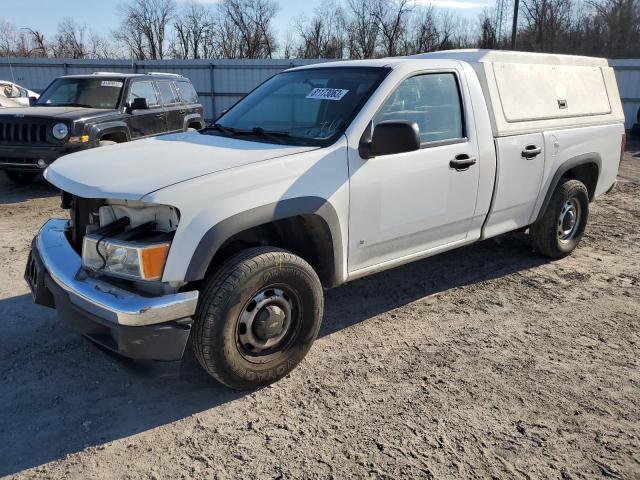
[393,136]
[32,101]
[139,103]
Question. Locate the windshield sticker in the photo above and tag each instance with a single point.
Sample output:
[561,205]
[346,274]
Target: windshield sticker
[111,83]
[327,93]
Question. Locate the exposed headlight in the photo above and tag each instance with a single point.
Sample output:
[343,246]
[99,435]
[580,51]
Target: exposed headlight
[131,260]
[60,131]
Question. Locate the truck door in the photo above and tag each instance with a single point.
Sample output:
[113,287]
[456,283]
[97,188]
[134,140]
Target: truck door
[143,123]
[408,203]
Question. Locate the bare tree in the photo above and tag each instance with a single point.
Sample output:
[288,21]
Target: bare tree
[392,18]
[362,29]
[144,25]
[253,20]
[322,36]
[191,28]
[424,32]
[546,21]
[621,19]
[488,36]
[70,42]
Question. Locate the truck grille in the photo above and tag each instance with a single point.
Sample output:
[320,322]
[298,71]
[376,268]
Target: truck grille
[23,132]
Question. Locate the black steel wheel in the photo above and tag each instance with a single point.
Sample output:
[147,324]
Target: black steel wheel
[559,231]
[257,317]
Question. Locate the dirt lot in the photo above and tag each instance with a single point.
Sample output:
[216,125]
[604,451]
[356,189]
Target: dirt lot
[483,362]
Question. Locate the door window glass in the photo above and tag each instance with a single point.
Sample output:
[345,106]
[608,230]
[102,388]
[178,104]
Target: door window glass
[430,100]
[167,92]
[144,90]
[187,92]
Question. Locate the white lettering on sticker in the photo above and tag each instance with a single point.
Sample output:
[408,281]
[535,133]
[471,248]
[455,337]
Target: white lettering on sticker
[327,93]
[111,83]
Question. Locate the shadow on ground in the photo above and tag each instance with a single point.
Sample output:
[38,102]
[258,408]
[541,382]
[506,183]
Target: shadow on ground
[61,394]
[15,193]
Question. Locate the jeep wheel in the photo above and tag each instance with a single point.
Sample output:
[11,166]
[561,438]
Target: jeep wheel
[257,317]
[560,229]
[23,178]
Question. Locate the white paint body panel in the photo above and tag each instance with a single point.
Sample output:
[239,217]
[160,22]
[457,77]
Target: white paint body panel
[131,170]
[390,210]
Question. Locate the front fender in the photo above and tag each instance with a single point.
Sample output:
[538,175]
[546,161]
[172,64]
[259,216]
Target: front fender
[215,237]
[102,129]
[216,206]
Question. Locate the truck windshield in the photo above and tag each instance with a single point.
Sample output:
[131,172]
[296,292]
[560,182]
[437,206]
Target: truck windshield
[83,92]
[310,106]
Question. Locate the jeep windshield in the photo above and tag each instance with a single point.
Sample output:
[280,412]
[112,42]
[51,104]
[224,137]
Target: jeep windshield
[301,107]
[83,92]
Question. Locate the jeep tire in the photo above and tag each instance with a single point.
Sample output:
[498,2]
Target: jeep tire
[561,228]
[257,317]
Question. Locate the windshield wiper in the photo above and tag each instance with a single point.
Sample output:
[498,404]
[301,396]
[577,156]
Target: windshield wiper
[273,135]
[226,131]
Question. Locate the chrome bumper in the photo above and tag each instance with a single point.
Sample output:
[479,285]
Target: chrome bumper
[98,297]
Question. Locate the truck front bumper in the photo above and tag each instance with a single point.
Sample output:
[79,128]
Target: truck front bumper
[133,325]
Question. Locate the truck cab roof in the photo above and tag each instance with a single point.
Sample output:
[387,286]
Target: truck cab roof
[524,91]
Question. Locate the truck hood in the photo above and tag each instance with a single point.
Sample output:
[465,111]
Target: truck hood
[132,170]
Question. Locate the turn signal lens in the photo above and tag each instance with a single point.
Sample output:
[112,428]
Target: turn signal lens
[153,259]
[81,139]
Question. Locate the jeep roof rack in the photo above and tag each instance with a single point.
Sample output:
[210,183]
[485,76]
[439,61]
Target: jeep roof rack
[107,73]
[163,73]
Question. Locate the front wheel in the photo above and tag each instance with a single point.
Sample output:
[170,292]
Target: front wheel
[22,178]
[257,317]
[561,228]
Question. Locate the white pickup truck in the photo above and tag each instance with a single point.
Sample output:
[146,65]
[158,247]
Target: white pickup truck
[224,238]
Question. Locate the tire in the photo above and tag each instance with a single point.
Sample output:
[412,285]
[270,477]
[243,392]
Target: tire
[106,143]
[22,178]
[557,234]
[256,290]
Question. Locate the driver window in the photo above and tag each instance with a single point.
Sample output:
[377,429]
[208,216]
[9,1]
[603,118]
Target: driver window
[430,100]
[144,90]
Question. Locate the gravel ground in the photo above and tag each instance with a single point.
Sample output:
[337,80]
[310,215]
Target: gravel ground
[488,361]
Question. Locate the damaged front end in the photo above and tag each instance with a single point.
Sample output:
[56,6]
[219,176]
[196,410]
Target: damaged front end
[102,272]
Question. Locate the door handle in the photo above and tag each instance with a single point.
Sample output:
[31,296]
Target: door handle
[462,162]
[182,112]
[159,115]
[531,151]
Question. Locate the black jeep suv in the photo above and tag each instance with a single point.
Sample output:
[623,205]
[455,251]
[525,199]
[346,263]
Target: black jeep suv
[84,111]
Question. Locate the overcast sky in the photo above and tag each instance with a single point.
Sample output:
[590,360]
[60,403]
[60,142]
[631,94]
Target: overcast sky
[102,15]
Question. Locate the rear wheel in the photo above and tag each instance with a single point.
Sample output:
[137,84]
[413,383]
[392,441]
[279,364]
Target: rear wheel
[562,226]
[257,317]
[23,178]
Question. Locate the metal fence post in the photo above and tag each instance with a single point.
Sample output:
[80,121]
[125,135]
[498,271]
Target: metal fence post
[213,91]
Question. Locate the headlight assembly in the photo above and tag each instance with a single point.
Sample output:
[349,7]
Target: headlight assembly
[132,260]
[60,131]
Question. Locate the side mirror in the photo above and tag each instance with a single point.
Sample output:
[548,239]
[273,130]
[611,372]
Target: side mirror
[139,103]
[32,101]
[393,136]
